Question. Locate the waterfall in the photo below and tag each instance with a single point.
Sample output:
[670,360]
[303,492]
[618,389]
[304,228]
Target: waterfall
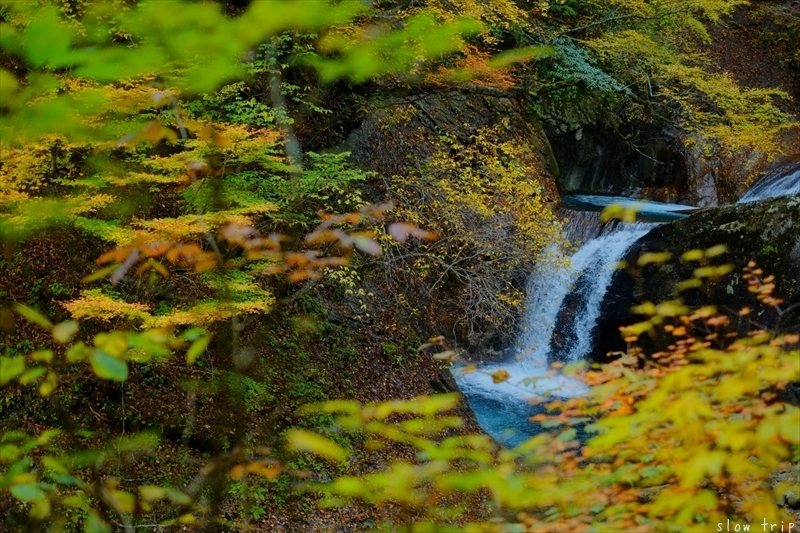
[593,267]
[784,180]
[549,334]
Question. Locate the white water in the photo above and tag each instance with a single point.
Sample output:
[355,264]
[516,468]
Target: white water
[497,406]
[780,183]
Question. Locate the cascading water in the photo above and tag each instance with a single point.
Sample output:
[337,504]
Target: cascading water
[785,180]
[503,409]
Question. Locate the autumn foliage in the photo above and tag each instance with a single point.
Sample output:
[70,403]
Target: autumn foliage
[680,440]
[149,161]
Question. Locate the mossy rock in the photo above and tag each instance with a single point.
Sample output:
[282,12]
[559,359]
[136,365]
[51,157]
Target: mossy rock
[766,232]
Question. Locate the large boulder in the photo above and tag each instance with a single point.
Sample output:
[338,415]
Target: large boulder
[766,232]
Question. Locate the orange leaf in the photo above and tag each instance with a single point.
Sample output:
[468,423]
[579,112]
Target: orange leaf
[299,275]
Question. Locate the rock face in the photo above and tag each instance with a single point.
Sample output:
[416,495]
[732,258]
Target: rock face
[650,165]
[433,138]
[767,232]
[402,132]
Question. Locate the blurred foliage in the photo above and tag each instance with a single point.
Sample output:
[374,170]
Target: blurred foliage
[680,440]
[108,105]
[165,131]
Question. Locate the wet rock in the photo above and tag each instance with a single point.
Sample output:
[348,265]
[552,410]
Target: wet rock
[640,160]
[444,382]
[402,134]
[792,499]
[766,232]
[648,494]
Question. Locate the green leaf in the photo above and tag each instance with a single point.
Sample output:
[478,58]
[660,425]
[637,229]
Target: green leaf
[67,480]
[567,435]
[192,334]
[64,331]
[574,368]
[44,356]
[306,441]
[75,500]
[78,352]
[32,316]
[47,41]
[16,469]
[40,510]
[136,442]
[32,375]
[8,453]
[100,274]
[13,435]
[8,84]
[47,435]
[27,492]
[94,524]
[178,497]
[11,367]
[54,464]
[108,367]
[518,55]
[547,424]
[197,347]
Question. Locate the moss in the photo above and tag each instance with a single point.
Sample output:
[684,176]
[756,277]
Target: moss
[732,226]
[768,249]
[389,348]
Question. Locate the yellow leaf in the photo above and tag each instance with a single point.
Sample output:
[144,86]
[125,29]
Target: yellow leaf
[692,255]
[306,441]
[447,355]
[692,283]
[48,385]
[646,308]
[123,500]
[45,356]
[653,257]
[500,376]
[714,251]
[151,492]
[63,332]
[197,348]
